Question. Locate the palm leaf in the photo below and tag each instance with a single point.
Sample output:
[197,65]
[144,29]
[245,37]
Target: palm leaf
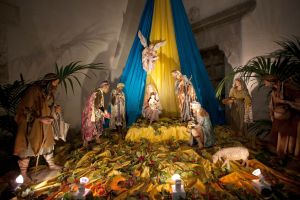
[10,95]
[221,85]
[290,49]
[261,66]
[71,83]
[75,77]
[70,72]
[260,128]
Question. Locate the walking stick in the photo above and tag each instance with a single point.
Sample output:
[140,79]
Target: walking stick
[41,148]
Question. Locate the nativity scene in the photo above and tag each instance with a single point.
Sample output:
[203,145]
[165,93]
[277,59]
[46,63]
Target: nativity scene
[167,117]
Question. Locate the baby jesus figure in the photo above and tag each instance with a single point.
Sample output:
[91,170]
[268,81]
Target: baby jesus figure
[152,108]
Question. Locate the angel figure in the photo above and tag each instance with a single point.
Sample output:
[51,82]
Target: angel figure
[149,54]
[152,106]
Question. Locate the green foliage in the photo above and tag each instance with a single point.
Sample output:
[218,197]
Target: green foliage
[261,66]
[290,48]
[10,95]
[260,127]
[283,63]
[227,79]
[67,74]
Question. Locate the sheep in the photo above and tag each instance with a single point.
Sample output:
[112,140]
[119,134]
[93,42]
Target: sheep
[231,153]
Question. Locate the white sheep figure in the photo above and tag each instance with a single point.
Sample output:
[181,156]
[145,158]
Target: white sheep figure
[231,153]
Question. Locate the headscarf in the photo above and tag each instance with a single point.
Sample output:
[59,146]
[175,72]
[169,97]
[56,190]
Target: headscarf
[120,85]
[177,72]
[270,78]
[195,105]
[243,84]
[104,83]
[46,83]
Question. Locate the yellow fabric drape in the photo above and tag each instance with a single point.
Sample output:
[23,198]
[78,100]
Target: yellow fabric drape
[167,133]
[160,77]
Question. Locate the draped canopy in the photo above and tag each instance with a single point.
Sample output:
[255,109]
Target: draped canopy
[167,20]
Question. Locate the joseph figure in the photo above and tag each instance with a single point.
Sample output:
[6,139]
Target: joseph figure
[185,93]
[35,134]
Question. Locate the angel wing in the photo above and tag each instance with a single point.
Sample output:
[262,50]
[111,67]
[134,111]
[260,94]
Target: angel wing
[142,39]
[159,44]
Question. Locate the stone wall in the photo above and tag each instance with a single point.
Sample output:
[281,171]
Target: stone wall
[246,29]
[214,61]
[55,31]
[9,16]
[3,55]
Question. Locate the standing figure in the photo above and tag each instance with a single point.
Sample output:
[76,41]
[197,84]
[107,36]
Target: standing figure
[149,54]
[284,113]
[117,120]
[241,107]
[94,114]
[35,135]
[152,107]
[201,127]
[60,127]
[185,93]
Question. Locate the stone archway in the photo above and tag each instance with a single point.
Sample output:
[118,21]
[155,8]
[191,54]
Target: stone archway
[214,61]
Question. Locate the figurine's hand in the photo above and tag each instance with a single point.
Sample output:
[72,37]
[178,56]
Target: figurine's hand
[58,109]
[106,115]
[46,120]
[281,100]
[248,108]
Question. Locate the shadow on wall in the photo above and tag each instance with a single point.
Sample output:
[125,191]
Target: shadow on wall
[92,44]
[97,76]
[84,46]
[260,101]
[228,69]
[217,66]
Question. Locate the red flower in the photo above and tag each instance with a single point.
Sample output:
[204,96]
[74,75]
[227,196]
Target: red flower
[141,158]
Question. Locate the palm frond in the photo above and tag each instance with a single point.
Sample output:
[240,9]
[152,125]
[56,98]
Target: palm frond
[260,66]
[227,79]
[69,72]
[290,49]
[10,95]
[260,128]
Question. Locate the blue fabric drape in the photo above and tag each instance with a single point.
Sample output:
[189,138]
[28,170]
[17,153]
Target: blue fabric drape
[134,76]
[192,64]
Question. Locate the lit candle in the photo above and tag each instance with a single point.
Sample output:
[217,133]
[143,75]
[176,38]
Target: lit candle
[263,187]
[84,180]
[176,177]
[20,179]
[177,189]
[82,191]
